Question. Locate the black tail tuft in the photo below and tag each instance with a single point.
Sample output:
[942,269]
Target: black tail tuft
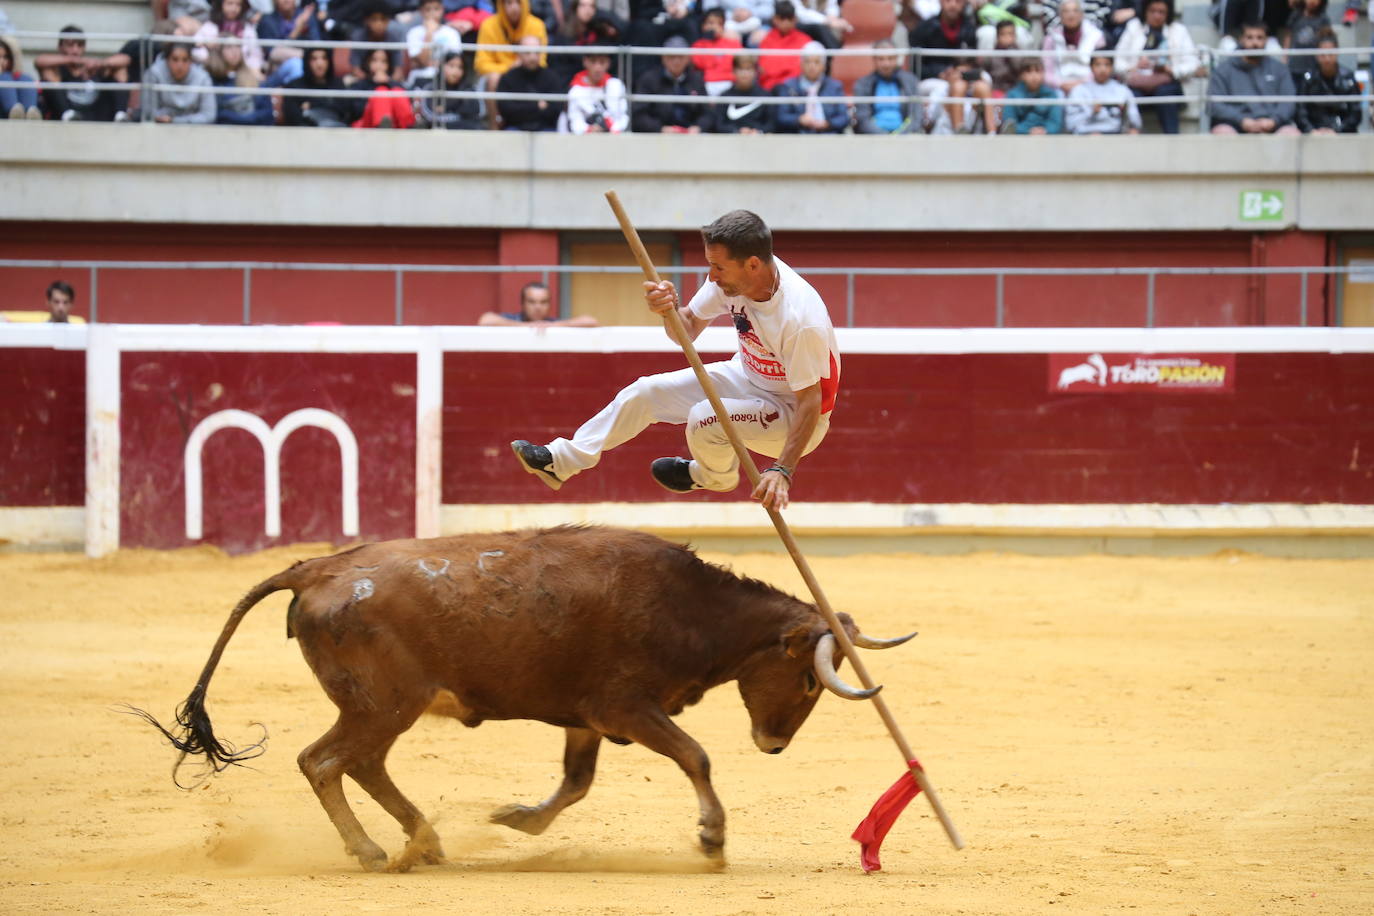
[195,737]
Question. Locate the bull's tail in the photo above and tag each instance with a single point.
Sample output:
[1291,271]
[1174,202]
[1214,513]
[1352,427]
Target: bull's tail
[193,734]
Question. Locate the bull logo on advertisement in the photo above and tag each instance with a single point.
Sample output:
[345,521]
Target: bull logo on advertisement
[1092,370]
[271,438]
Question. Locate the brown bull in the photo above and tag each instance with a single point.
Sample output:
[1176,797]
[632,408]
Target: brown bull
[601,631]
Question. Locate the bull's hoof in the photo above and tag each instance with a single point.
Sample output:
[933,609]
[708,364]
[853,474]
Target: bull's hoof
[520,817]
[371,856]
[713,846]
[423,849]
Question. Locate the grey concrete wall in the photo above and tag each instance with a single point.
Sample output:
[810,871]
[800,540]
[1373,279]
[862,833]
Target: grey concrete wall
[159,173]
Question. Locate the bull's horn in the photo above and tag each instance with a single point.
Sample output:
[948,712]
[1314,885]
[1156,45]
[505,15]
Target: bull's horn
[825,670]
[868,642]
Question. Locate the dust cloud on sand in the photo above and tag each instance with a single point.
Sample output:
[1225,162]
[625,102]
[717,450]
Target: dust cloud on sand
[1180,735]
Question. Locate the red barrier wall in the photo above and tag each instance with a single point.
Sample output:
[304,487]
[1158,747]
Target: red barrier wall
[950,429]
[165,395]
[369,298]
[42,427]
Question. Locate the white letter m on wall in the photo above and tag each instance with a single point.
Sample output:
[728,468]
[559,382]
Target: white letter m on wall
[271,439]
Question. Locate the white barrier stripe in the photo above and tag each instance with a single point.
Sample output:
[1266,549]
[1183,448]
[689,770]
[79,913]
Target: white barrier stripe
[842,518]
[715,339]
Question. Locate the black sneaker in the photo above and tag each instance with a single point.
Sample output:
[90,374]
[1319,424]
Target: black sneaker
[674,475]
[537,460]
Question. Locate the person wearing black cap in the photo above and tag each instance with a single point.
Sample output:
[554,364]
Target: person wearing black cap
[675,76]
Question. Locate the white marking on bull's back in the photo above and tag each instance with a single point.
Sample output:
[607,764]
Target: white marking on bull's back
[482,558]
[424,567]
[362,589]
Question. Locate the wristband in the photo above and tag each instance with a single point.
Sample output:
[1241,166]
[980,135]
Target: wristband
[781,469]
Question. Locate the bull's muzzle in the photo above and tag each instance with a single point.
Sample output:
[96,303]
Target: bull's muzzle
[825,664]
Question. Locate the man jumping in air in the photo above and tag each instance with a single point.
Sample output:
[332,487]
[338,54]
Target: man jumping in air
[779,388]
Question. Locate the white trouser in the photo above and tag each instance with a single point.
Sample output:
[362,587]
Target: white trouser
[762,419]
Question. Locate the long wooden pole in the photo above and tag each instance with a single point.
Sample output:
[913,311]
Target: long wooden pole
[675,327]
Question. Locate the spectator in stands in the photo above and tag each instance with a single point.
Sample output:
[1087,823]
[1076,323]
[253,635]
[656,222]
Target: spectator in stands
[1154,55]
[821,20]
[18,102]
[388,105]
[181,104]
[71,65]
[812,116]
[596,100]
[1103,105]
[466,112]
[653,22]
[430,41]
[717,70]
[745,18]
[137,55]
[897,116]
[776,69]
[512,23]
[226,68]
[746,117]
[1002,71]
[536,308]
[1069,46]
[1305,25]
[290,22]
[229,19]
[60,299]
[1033,119]
[1098,12]
[1121,14]
[317,110]
[1325,76]
[585,25]
[533,77]
[943,76]
[1252,75]
[674,76]
[377,27]
[187,15]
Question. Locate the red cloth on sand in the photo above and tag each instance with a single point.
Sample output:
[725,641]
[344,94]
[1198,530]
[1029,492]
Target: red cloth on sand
[889,805]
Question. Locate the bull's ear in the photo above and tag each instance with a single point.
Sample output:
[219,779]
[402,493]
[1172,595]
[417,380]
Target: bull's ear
[797,641]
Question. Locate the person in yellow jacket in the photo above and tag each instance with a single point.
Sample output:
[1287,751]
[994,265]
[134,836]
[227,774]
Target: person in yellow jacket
[507,27]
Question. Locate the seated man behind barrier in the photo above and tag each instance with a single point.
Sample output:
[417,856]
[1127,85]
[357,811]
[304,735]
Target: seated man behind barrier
[377,27]
[887,79]
[533,77]
[71,65]
[1252,75]
[1104,105]
[1325,76]
[536,309]
[675,76]
[747,116]
[596,100]
[1033,119]
[811,114]
[317,110]
[776,69]
[60,297]
[179,102]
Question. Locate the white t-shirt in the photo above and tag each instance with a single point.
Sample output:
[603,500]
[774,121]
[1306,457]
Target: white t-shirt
[446,40]
[786,343]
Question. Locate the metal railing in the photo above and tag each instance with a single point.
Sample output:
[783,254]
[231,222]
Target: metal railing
[547,272]
[1202,96]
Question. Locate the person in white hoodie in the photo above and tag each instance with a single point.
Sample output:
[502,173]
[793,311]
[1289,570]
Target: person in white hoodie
[1102,105]
[1069,46]
[596,100]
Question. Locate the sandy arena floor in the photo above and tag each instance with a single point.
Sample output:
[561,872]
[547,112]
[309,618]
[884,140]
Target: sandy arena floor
[1166,736]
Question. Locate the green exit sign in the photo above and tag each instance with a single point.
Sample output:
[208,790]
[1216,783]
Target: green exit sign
[1258,206]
